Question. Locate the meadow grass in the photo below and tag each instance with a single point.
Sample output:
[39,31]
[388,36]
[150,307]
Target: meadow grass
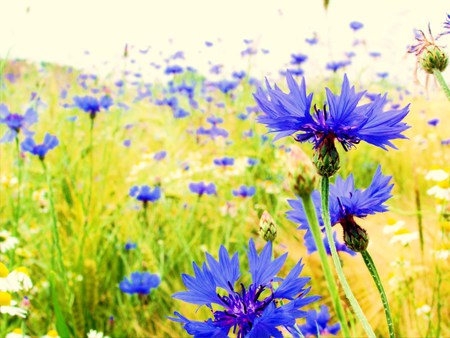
[180,227]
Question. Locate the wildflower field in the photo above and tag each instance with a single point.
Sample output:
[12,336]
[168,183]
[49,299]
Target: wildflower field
[111,186]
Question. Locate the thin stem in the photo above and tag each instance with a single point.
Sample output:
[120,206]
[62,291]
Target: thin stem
[376,278]
[17,210]
[337,263]
[310,212]
[440,79]
[56,241]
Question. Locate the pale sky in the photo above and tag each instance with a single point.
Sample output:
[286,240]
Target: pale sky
[61,30]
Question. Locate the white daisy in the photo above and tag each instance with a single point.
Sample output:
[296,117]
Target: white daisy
[7,242]
[7,284]
[404,236]
[51,334]
[7,306]
[439,193]
[438,175]
[16,333]
[21,275]
[95,334]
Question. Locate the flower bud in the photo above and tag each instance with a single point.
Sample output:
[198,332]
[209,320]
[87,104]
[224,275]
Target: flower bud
[326,158]
[267,227]
[355,237]
[433,58]
[301,172]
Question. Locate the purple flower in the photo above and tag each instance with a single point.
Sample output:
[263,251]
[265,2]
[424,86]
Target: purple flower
[40,150]
[356,25]
[298,59]
[140,283]
[145,194]
[224,162]
[317,324]
[252,161]
[16,122]
[257,310]
[344,120]
[244,191]
[201,188]
[130,245]
[433,122]
[160,155]
[173,70]
[336,65]
[346,203]
[92,105]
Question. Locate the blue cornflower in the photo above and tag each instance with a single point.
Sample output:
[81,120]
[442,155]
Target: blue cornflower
[343,121]
[130,245]
[160,155]
[239,75]
[92,105]
[433,122]
[317,324]
[224,162]
[345,204]
[202,188]
[140,282]
[252,161]
[244,191]
[336,65]
[356,25]
[145,194]
[16,122]
[226,86]
[298,59]
[214,120]
[173,70]
[254,311]
[42,149]
[446,26]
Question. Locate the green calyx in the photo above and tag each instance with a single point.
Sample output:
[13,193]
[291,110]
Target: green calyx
[433,58]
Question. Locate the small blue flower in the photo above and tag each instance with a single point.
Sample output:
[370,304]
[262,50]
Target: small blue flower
[145,194]
[226,86]
[317,324]
[201,188]
[298,59]
[224,162]
[336,65]
[346,203]
[173,70]
[254,311]
[130,245]
[160,155]
[244,191]
[356,25]
[140,283]
[40,150]
[433,122]
[343,121]
[252,161]
[16,122]
[92,105]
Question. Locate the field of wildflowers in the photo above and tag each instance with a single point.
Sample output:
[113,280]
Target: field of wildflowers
[204,204]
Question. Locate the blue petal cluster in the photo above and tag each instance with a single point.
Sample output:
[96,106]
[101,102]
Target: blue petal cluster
[344,121]
[346,202]
[16,122]
[50,142]
[140,282]
[145,193]
[317,324]
[92,105]
[254,311]
[202,188]
[224,162]
[244,191]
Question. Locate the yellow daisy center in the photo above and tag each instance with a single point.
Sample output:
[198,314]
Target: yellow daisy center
[18,331]
[23,270]
[52,333]
[4,272]
[5,299]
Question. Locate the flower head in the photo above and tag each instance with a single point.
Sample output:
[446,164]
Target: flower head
[7,242]
[244,191]
[140,282]
[40,150]
[252,311]
[317,324]
[92,105]
[145,194]
[16,122]
[356,25]
[345,203]
[202,188]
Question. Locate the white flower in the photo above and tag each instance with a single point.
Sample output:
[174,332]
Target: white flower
[95,334]
[7,242]
[439,193]
[20,275]
[7,306]
[404,236]
[438,175]
[7,284]
[393,226]
[441,254]
[51,334]
[16,333]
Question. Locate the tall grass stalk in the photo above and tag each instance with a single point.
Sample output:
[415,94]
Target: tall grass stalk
[325,190]
[440,79]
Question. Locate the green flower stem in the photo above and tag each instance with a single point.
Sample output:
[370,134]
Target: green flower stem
[17,209]
[440,79]
[310,212]
[374,273]
[56,241]
[325,190]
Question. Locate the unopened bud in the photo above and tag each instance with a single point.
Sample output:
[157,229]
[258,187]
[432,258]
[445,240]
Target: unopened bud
[301,172]
[326,158]
[267,227]
[433,58]
[355,237]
